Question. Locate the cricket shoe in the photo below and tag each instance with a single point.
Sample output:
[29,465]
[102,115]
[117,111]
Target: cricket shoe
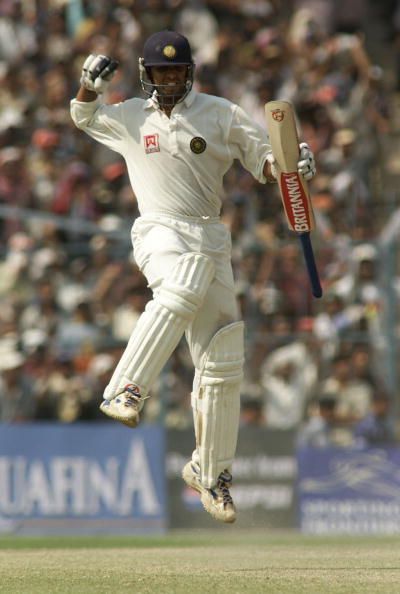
[125,407]
[216,501]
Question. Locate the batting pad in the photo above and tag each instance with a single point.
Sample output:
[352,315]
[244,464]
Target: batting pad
[162,324]
[216,403]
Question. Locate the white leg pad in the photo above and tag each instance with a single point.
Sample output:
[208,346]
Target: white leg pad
[162,324]
[216,403]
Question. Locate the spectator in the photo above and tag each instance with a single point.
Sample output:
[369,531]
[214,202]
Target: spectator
[289,376]
[353,394]
[16,400]
[377,427]
[319,429]
[252,413]
[77,331]
[334,323]
[127,313]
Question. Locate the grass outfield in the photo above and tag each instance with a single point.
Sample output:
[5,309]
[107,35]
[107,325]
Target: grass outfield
[197,562]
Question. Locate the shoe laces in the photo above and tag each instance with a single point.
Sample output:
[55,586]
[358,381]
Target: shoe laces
[223,484]
[133,396]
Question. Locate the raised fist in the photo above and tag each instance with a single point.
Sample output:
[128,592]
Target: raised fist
[97,72]
[306,164]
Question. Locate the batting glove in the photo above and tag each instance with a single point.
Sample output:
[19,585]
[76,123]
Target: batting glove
[306,164]
[97,72]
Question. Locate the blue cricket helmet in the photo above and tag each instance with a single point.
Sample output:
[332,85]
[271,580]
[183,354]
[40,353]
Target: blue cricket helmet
[165,48]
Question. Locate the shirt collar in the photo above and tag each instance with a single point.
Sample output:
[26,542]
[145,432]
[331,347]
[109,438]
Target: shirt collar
[190,97]
[150,102]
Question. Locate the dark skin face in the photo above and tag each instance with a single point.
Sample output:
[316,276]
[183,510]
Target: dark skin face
[175,78]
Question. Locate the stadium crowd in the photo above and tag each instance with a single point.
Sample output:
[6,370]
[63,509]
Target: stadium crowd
[70,291]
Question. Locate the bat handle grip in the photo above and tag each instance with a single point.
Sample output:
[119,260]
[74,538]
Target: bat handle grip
[311,265]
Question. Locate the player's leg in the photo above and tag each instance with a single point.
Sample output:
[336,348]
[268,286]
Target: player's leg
[216,410]
[157,333]
[216,399]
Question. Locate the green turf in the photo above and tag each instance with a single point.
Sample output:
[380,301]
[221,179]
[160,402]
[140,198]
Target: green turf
[227,561]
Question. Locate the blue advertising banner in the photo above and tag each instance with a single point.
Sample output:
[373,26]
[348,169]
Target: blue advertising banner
[349,491]
[82,479]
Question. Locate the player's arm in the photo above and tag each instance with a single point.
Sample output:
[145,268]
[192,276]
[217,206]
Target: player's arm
[251,145]
[86,96]
[104,123]
[269,169]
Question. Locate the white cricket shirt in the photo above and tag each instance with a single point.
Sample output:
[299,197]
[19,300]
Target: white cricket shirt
[176,165]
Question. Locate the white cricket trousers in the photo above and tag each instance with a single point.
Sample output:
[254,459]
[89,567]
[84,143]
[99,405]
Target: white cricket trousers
[159,240]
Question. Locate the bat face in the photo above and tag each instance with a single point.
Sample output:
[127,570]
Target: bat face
[296,202]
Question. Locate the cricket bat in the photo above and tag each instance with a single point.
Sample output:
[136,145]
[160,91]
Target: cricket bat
[281,125]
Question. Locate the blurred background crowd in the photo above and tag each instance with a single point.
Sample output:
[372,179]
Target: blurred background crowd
[70,292]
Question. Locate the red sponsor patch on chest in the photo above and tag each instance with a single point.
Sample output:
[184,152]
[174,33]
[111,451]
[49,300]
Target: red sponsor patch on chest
[151,144]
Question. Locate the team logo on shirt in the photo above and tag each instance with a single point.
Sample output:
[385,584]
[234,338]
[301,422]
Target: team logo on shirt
[151,143]
[198,145]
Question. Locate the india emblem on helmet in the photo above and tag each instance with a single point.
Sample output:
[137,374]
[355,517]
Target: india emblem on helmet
[169,52]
